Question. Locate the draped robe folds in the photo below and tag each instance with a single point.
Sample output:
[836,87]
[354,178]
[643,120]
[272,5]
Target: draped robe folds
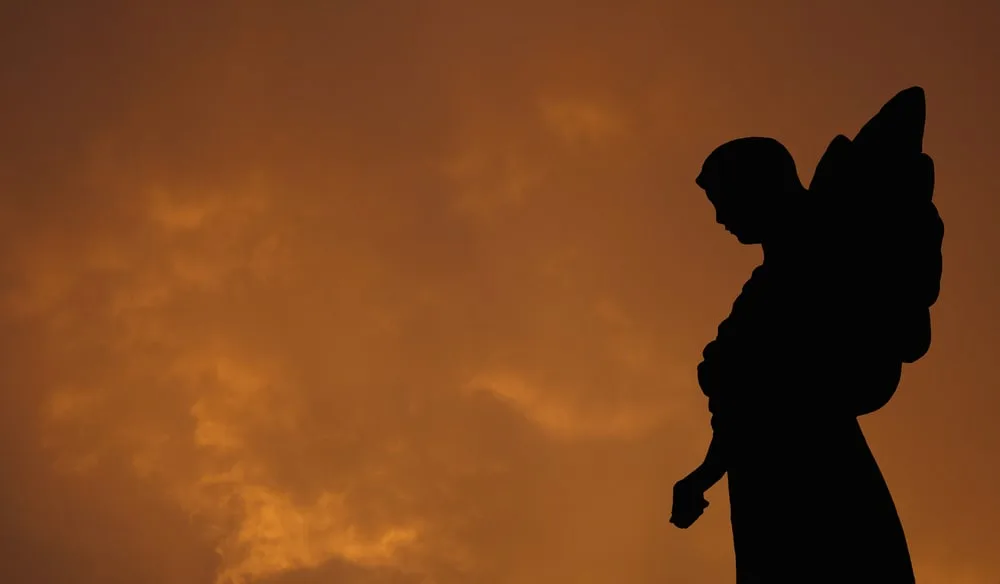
[786,378]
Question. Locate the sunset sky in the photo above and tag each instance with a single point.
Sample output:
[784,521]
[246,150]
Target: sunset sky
[400,292]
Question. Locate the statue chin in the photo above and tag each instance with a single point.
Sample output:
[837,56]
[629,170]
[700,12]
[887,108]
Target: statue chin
[745,239]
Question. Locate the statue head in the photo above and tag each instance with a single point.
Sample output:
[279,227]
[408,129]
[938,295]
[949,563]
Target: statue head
[752,182]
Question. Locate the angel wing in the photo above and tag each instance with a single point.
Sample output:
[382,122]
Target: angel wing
[883,233]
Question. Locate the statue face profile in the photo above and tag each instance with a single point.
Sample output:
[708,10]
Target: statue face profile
[750,182]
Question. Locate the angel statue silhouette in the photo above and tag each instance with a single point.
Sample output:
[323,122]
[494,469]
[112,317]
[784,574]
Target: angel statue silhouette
[817,338]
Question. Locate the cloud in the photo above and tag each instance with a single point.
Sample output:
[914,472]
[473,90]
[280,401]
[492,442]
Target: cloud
[568,421]
[330,292]
[582,121]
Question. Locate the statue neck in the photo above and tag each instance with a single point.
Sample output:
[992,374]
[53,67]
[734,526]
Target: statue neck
[785,234]
[777,249]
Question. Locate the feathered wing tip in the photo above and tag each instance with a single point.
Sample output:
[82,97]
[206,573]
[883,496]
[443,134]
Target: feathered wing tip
[897,129]
[898,126]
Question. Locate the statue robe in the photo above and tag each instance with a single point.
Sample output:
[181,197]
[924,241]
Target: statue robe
[786,378]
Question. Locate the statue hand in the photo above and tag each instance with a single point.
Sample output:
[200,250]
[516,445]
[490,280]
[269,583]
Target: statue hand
[689,502]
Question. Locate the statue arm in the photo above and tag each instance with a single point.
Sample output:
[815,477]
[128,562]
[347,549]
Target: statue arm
[711,470]
[716,376]
[710,377]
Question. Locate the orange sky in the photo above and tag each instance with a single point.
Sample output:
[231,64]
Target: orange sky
[401,292]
